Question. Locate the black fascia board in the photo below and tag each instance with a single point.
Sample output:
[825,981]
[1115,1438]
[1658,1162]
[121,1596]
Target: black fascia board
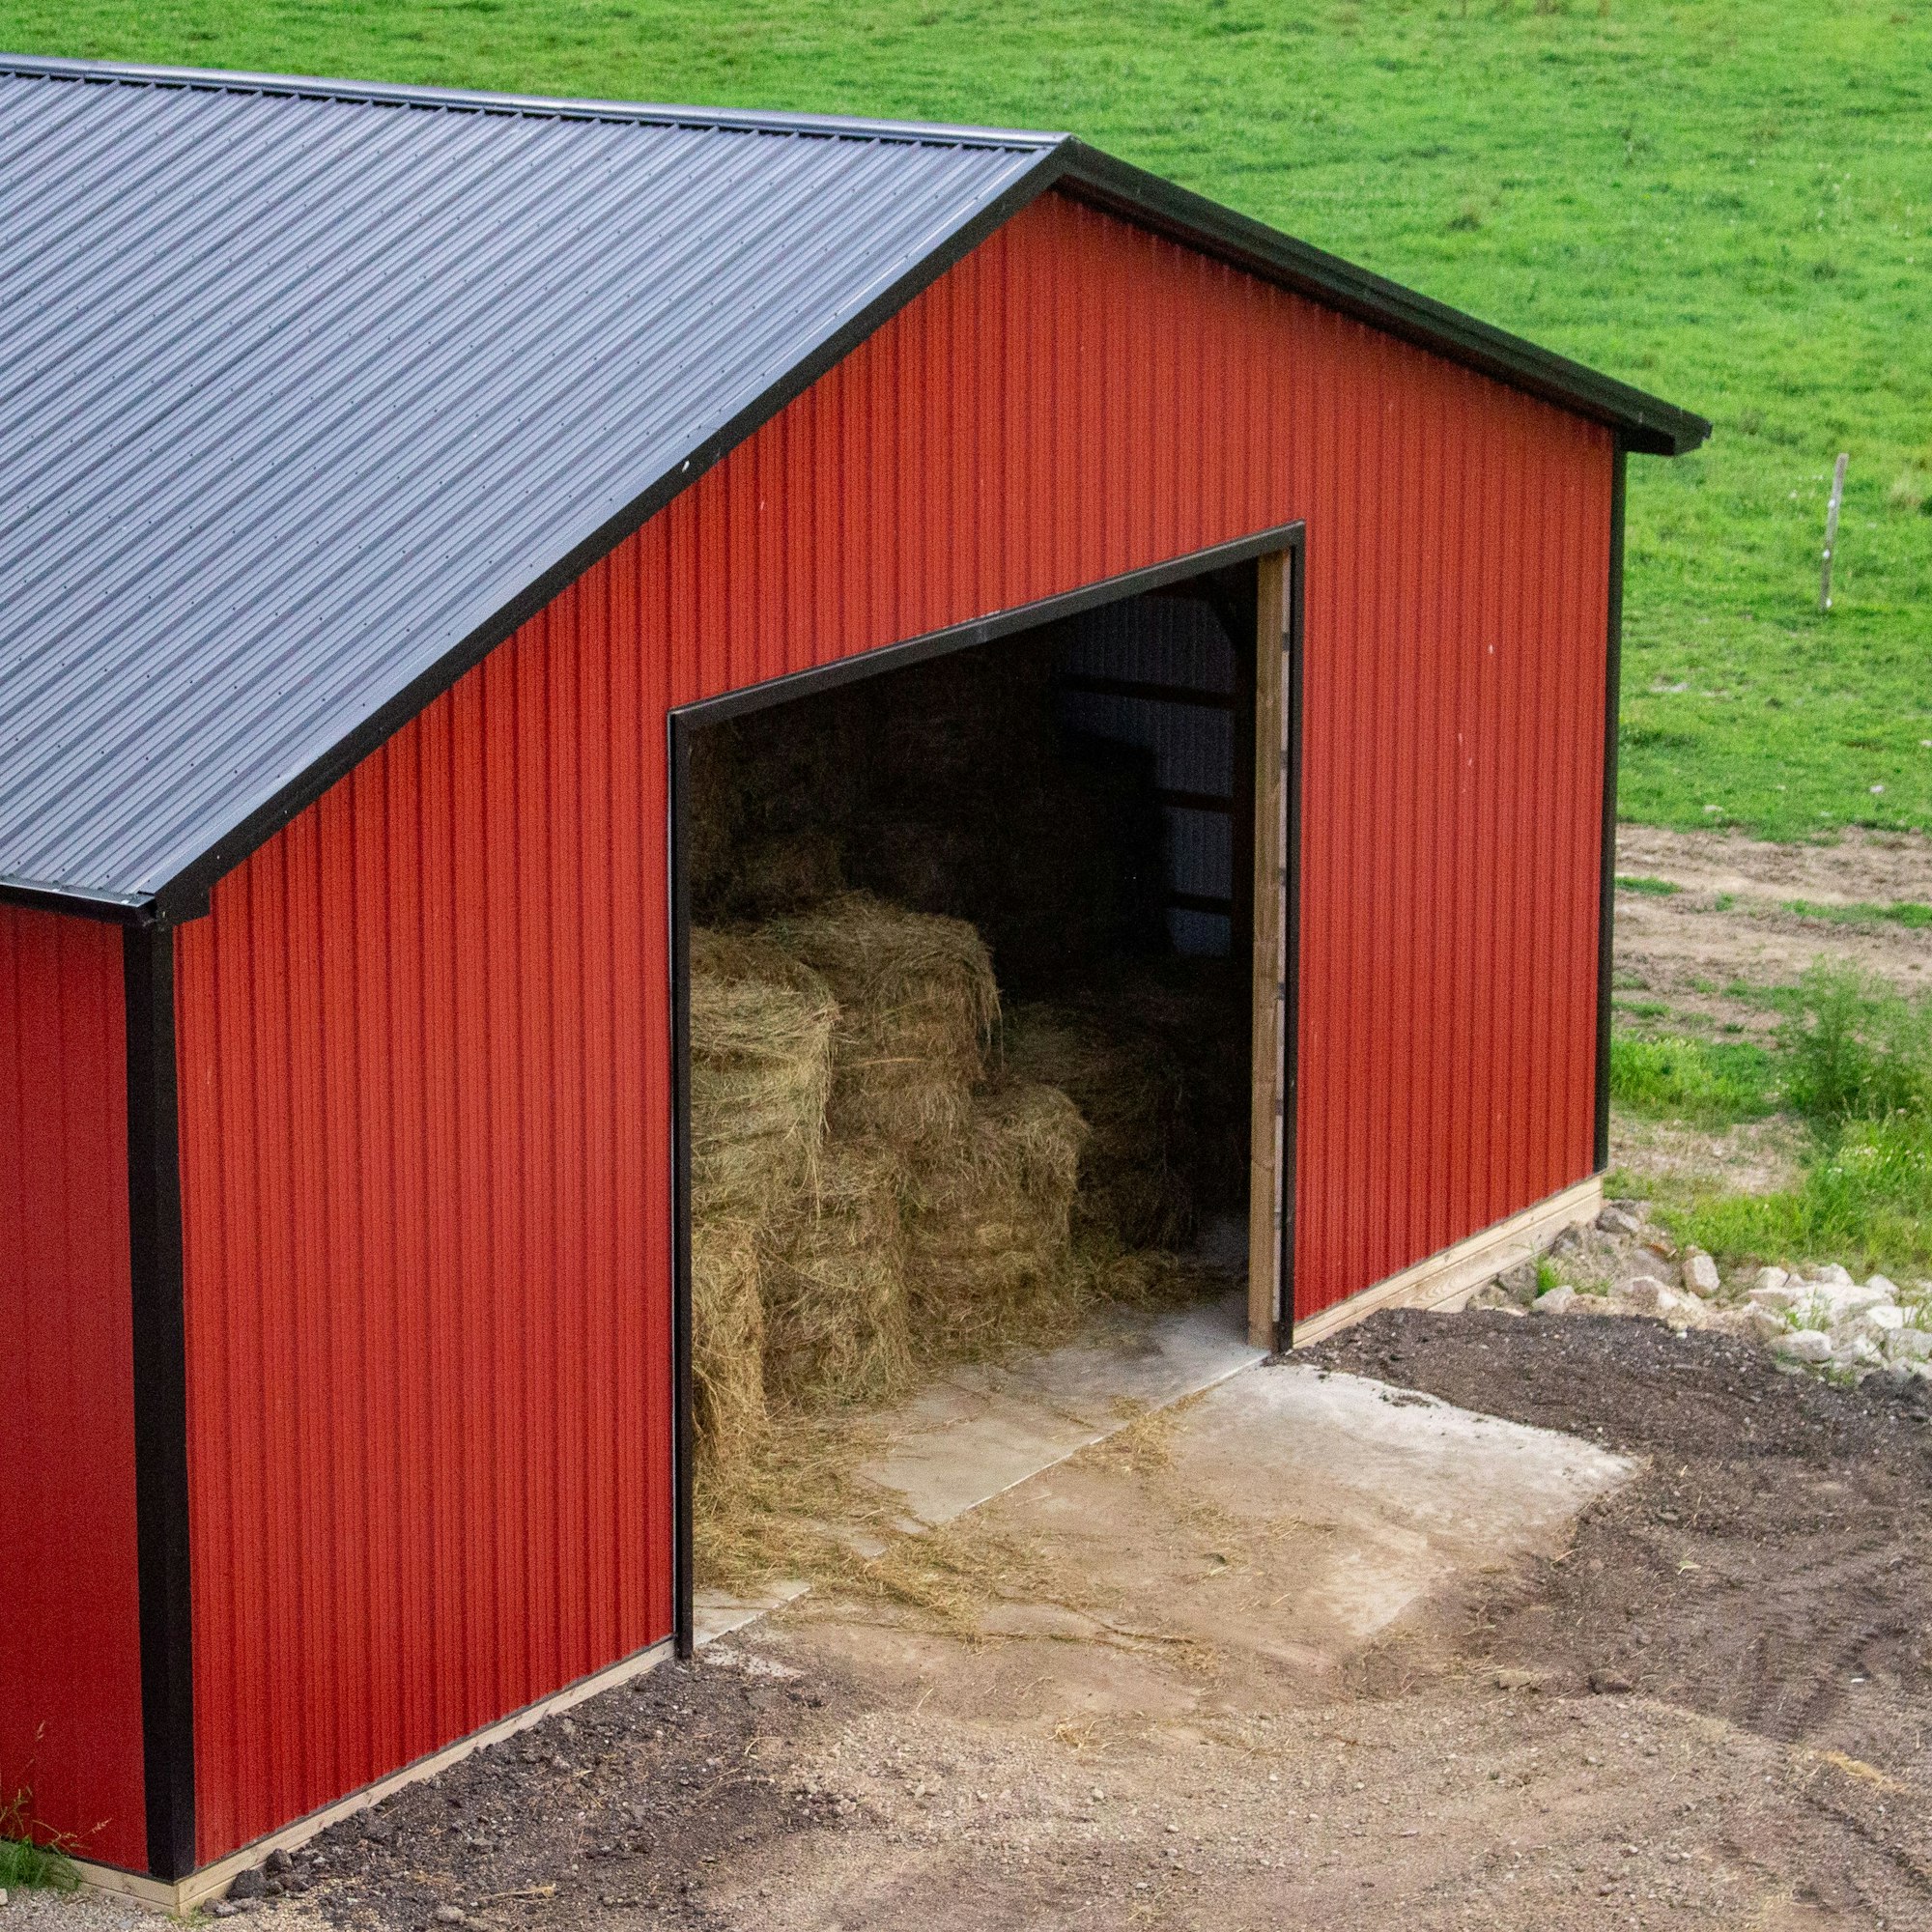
[1644,422]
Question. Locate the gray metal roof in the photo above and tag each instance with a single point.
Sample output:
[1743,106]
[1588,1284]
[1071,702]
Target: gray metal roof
[314,391]
[302,391]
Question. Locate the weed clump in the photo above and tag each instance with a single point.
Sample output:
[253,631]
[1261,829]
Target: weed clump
[1856,1050]
[1852,1060]
[25,1862]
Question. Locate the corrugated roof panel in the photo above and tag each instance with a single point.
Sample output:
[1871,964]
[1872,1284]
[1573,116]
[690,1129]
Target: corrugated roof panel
[306,390]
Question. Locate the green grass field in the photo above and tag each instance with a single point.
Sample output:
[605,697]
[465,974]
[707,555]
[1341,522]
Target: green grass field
[1728,201]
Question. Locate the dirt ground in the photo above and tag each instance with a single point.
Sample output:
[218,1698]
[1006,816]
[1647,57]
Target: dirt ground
[1707,1704]
[1730,925]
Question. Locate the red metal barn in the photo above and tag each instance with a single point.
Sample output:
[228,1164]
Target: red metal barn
[388,475]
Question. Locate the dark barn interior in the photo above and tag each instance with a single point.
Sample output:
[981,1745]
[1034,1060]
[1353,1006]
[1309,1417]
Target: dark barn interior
[984,884]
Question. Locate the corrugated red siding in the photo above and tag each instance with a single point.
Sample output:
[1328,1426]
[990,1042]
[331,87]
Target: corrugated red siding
[425,1217]
[422,1037]
[70,1597]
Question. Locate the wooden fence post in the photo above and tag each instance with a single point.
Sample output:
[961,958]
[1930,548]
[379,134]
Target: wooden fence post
[1832,529]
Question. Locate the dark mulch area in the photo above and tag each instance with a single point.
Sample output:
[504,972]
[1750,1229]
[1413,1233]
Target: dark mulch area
[623,1806]
[1772,1565]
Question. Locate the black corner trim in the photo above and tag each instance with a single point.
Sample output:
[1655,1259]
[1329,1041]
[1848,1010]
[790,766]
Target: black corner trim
[1607,915]
[160,1402]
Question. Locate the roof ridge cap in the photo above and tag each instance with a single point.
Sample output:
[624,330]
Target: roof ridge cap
[560,107]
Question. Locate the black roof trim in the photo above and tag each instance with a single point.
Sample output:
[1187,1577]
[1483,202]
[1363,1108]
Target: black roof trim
[541,106]
[1641,422]
[39,896]
[1644,422]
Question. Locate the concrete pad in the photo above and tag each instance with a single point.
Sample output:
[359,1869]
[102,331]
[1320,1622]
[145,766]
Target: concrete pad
[987,1427]
[1397,1491]
[1242,1559]
[982,1430]
[716,1613]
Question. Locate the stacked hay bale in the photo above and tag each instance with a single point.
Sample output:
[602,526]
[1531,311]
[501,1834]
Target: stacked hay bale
[866,1188]
[990,1228]
[1134,1190]
[839,1321]
[917,1005]
[761,1026]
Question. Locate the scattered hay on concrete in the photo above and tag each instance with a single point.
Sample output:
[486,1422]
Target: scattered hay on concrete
[1128,1084]
[789,1510]
[991,1231]
[839,1314]
[918,1004]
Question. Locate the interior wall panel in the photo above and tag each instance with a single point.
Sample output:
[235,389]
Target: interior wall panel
[423,1035]
[70,1598]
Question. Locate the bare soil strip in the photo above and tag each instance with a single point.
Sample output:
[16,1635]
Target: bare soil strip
[1731,923]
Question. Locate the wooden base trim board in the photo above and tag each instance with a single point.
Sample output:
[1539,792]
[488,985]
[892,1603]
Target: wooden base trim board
[1457,1272]
[211,1880]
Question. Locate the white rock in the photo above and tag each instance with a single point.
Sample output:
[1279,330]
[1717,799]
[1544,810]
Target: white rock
[1856,1352]
[1889,1288]
[1555,1302]
[1827,1304]
[1770,1278]
[1909,1345]
[1884,1316]
[1854,1300]
[1780,1298]
[1651,1297]
[1862,1339]
[1700,1275]
[1761,1324]
[1806,1345]
[1831,1275]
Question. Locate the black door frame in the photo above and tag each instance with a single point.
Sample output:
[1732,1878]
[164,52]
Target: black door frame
[684,719]
[1295,562]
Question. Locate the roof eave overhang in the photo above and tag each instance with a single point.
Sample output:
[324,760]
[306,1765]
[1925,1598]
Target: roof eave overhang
[1641,422]
[79,903]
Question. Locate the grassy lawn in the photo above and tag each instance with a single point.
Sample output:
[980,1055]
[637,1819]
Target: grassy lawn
[1728,201]
[1851,1060]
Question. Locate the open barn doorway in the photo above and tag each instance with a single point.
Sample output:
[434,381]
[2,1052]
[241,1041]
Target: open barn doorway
[983,999]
